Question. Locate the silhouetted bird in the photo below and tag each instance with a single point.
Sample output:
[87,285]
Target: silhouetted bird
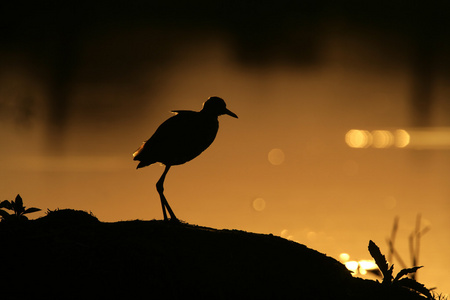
[180,139]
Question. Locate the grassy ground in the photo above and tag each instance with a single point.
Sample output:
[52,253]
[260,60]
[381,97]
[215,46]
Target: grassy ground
[71,255]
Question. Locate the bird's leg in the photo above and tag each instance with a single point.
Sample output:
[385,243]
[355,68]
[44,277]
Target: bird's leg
[160,188]
[163,207]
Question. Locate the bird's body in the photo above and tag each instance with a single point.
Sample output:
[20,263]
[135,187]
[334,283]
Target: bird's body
[180,139]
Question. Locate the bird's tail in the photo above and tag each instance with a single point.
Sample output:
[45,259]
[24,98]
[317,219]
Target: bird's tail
[136,153]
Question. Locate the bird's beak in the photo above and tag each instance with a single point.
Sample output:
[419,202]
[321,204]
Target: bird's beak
[230,113]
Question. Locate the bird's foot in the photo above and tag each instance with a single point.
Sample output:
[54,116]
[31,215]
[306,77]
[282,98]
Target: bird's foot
[175,221]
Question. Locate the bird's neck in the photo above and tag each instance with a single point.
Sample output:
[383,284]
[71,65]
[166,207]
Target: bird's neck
[208,115]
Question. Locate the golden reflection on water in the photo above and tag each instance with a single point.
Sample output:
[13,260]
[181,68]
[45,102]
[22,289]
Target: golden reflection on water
[360,267]
[402,138]
[382,138]
[356,138]
[416,138]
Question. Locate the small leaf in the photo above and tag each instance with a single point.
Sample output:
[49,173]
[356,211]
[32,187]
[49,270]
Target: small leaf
[18,205]
[31,210]
[4,214]
[19,201]
[416,286]
[406,272]
[391,269]
[6,204]
[380,260]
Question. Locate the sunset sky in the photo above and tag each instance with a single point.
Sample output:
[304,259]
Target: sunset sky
[344,119]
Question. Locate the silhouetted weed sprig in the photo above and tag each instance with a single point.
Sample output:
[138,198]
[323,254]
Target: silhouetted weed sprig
[439,296]
[399,280]
[18,209]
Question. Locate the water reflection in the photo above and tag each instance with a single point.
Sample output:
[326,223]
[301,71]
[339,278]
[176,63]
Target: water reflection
[415,138]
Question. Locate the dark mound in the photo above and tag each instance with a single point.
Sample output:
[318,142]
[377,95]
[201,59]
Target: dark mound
[78,257]
[68,217]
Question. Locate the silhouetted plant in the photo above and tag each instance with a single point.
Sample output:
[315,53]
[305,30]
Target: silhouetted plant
[387,271]
[18,209]
[440,296]
[70,216]
[414,244]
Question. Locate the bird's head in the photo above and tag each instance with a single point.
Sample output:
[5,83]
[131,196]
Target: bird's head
[216,106]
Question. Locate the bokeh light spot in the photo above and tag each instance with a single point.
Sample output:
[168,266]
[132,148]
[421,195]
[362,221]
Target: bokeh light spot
[259,204]
[367,265]
[276,156]
[344,257]
[402,138]
[352,266]
[356,138]
[382,138]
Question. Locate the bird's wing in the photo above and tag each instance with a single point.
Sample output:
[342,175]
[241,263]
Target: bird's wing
[177,129]
[179,139]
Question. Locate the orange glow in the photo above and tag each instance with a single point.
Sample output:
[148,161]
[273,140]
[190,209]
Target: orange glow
[344,257]
[401,138]
[358,138]
[367,265]
[285,234]
[352,266]
[390,202]
[382,138]
[312,235]
[350,168]
[276,156]
[430,138]
[421,138]
[358,267]
[291,164]
[259,204]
